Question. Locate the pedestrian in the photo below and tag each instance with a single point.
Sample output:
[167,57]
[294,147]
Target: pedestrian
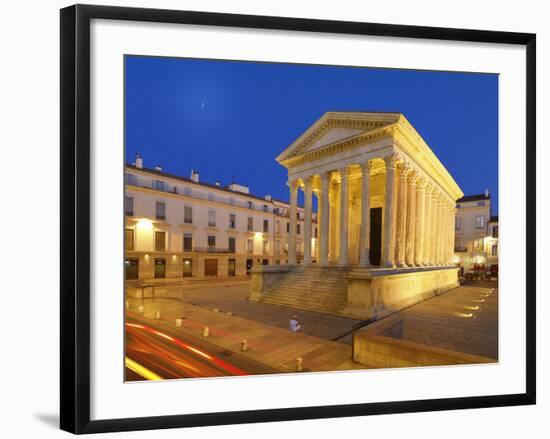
[295,325]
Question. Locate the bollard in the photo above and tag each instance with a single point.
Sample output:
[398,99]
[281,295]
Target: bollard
[229,313]
[141,309]
[299,364]
[216,310]
[205,331]
[157,315]
[244,346]
[178,323]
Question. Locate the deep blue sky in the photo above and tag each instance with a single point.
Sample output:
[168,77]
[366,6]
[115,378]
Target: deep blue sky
[230,119]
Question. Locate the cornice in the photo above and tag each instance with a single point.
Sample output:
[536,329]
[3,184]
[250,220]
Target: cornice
[339,146]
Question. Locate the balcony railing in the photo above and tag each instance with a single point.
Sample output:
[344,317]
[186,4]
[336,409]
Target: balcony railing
[211,250]
[133,180]
[193,193]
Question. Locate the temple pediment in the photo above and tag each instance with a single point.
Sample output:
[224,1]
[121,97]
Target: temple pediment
[334,127]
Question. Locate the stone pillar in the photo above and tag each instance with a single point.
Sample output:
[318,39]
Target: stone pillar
[324,230]
[401,220]
[446,246]
[307,220]
[411,220]
[317,194]
[364,239]
[388,254]
[292,220]
[450,229]
[428,232]
[344,216]
[441,232]
[434,230]
[419,223]
[453,231]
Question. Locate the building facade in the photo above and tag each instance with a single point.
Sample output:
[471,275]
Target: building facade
[178,227]
[476,234]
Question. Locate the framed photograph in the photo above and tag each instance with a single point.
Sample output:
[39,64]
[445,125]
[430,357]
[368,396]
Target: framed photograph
[268,219]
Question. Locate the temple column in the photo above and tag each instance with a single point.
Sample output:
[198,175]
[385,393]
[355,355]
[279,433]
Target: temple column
[411,220]
[435,228]
[388,255]
[428,232]
[419,224]
[317,194]
[450,227]
[292,220]
[324,229]
[364,238]
[442,244]
[438,231]
[307,220]
[344,216]
[401,215]
[453,229]
[446,253]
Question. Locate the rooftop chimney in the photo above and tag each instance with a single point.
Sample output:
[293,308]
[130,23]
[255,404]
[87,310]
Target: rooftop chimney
[158,168]
[217,183]
[194,176]
[486,193]
[139,161]
[268,197]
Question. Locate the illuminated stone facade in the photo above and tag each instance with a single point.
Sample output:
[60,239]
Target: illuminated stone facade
[179,227]
[386,207]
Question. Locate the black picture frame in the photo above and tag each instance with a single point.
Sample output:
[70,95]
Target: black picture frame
[75,217]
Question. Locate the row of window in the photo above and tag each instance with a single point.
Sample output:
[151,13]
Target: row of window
[479,204]
[477,246]
[480,222]
[163,186]
[160,214]
[160,243]
[210,267]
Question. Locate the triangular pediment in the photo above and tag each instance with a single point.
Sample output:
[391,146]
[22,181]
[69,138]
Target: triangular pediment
[332,135]
[334,127]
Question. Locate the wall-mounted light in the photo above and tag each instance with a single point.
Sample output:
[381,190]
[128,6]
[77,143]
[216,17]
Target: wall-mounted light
[144,224]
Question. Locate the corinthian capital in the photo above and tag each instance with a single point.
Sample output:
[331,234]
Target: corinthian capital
[391,161]
[293,184]
[366,167]
[414,177]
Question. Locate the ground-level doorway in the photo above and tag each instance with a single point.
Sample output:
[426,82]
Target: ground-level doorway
[160,268]
[210,267]
[131,268]
[187,267]
[231,264]
[375,251]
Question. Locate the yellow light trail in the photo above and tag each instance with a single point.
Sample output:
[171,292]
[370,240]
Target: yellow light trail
[141,370]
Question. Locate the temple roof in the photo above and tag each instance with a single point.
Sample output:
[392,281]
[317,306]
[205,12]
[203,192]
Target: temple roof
[337,131]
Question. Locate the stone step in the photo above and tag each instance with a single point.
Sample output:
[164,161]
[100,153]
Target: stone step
[315,289]
[330,300]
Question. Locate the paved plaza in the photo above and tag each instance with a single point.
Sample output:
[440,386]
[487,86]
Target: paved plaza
[276,347]
[233,297]
[464,320]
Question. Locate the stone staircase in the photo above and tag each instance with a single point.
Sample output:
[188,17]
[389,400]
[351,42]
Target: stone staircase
[317,289]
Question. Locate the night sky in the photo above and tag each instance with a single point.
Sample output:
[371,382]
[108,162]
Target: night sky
[229,120]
